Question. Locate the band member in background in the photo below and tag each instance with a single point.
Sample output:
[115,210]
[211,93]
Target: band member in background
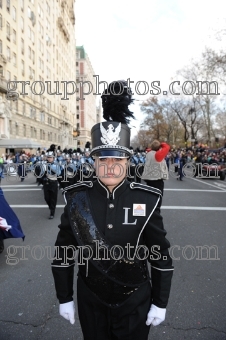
[50,182]
[115,297]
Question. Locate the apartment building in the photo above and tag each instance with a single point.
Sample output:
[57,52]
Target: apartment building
[87,113]
[37,49]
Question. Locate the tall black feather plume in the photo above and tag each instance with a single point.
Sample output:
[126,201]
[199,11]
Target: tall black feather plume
[115,102]
[51,148]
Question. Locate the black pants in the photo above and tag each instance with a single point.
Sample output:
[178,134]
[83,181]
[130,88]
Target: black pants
[158,184]
[127,322]
[50,194]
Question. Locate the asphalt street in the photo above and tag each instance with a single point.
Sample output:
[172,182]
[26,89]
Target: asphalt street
[194,213]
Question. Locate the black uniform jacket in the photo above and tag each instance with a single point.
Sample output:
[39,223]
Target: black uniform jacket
[128,217]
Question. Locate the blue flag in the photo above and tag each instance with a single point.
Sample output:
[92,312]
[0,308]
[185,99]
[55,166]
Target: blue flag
[8,214]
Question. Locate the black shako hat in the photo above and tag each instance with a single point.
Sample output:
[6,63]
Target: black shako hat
[112,137]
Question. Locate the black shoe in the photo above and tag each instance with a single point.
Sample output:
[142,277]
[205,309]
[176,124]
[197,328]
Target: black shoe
[52,212]
[1,246]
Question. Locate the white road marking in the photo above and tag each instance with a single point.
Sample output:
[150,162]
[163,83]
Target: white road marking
[33,206]
[220,184]
[194,190]
[15,190]
[18,185]
[166,207]
[168,189]
[171,207]
[24,186]
[204,182]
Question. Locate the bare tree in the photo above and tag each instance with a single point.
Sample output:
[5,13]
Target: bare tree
[201,75]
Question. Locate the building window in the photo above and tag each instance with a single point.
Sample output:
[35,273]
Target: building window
[47,56]
[49,120]
[40,12]
[8,76]
[16,105]
[50,136]
[22,67]
[14,59]
[22,46]
[33,56]
[29,32]
[8,53]
[24,130]
[22,24]
[10,127]
[47,25]
[8,31]
[22,5]
[24,108]
[14,13]
[8,5]
[29,12]
[32,37]
[1,47]
[42,116]
[14,36]
[47,9]
[0,3]
[32,112]
[0,22]
[48,72]
[17,129]
[29,52]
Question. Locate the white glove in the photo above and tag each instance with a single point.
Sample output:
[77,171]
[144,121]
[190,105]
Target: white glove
[67,310]
[155,316]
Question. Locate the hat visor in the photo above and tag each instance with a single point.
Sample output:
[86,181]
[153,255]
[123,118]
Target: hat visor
[109,153]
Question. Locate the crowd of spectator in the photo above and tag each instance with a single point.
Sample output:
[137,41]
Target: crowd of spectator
[194,154]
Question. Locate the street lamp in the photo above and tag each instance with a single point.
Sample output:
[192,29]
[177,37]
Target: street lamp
[192,109]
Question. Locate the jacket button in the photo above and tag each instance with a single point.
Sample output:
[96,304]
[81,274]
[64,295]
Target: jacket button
[110,226]
[111,205]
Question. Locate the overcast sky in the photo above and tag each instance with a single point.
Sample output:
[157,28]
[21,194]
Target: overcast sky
[147,39]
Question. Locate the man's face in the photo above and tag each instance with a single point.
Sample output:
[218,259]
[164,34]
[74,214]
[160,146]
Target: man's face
[49,159]
[111,171]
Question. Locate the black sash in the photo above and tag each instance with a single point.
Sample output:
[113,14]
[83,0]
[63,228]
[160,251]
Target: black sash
[123,271]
